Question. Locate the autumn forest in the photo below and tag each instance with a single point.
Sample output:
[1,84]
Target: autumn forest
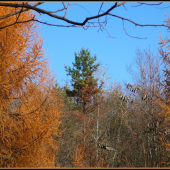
[90,123]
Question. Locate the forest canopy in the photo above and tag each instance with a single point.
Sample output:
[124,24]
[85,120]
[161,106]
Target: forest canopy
[46,125]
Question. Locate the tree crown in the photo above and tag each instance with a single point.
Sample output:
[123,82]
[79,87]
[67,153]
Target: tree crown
[83,68]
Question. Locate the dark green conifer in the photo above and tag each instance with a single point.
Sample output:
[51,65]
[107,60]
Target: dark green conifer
[82,74]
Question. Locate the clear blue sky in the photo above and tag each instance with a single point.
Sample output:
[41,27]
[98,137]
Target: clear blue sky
[115,52]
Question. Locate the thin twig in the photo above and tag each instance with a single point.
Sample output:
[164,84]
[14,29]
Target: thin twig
[63,4]
[57,10]
[66,10]
[144,25]
[124,7]
[100,8]
[162,7]
[102,27]
[82,7]
[146,4]
[130,35]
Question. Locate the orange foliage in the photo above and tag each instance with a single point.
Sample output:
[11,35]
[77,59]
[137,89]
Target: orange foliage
[79,157]
[83,158]
[88,94]
[85,154]
[29,108]
[165,102]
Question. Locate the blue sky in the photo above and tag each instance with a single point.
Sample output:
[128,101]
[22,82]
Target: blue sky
[61,43]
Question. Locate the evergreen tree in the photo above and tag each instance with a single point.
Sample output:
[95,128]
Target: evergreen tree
[83,82]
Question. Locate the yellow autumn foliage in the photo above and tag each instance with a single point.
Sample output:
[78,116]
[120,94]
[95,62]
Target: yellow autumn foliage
[29,108]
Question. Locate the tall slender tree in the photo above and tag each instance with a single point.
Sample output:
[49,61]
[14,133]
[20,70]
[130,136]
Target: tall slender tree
[83,82]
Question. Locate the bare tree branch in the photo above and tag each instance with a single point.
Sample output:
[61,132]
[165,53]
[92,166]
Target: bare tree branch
[162,7]
[120,4]
[85,24]
[92,24]
[56,16]
[100,8]
[147,4]
[57,10]
[82,7]
[102,27]
[124,7]
[63,4]
[67,10]
[141,25]
[128,34]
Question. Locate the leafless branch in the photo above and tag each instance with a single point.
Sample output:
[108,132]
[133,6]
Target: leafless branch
[85,24]
[124,7]
[59,17]
[67,10]
[102,27]
[100,8]
[98,14]
[162,7]
[82,7]
[128,34]
[120,4]
[57,10]
[63,4]
[147,4]
[92,24]
[108,33]
[141,25]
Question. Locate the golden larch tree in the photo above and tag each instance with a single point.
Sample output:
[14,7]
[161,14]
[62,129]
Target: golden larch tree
[29,108]
[164,102]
